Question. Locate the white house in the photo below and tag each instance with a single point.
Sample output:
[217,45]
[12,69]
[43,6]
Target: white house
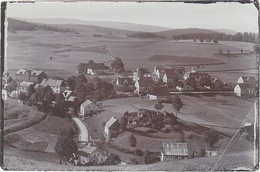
[56,85]
[91,154]
[88,108]
[112,128]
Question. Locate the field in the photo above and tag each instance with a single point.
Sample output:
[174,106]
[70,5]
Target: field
[34,49]
[18,116]
[224,113]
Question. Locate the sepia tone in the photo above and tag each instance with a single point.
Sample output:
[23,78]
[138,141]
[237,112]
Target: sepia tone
[119,88]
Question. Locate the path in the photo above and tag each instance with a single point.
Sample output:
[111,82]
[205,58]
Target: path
[83,134]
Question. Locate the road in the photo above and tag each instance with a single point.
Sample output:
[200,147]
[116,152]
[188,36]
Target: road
[83,134]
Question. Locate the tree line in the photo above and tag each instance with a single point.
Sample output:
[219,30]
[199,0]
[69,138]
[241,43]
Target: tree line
[145,35]
[215,37]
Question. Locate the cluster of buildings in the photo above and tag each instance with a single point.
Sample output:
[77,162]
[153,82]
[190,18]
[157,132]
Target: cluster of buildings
[92,68]
[246,87]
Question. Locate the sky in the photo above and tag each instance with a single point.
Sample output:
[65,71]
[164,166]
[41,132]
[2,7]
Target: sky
[233,16]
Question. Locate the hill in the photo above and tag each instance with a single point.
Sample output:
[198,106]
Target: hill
[107,24]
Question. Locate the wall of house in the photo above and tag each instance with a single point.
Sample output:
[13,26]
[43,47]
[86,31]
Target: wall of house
[152,97]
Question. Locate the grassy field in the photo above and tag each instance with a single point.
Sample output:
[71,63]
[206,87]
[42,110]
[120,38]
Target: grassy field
[18,116]
[34,49]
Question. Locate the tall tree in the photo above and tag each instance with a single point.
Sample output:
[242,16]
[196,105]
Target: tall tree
[158,106]
[132,141]
[65,147]
[30,90]
[70,82]
[118,65]
[211,138]
[177,104]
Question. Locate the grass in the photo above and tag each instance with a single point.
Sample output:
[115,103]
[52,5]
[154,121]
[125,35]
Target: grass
[18,116]
[55,125]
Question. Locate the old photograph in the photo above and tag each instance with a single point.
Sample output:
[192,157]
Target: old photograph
[130,86]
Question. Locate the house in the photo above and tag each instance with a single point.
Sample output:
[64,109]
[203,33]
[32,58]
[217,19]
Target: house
[159,71]
[246,90]
[112,128]
[246,79]
[172,151]
[89,108]
[159,93]
[143,86]
[29,75]
[23,86]
[91,154]
[155,78]
[56,85]
[122,80]
[98,69]
[140,73]
[67,94]
[169,76]
[4,94]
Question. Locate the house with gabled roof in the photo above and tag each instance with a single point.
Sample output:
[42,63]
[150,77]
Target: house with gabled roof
[89,108]
[91,154]
[29,75]
[23,86]
[56,85]
[159,93]
[67,94]
[172,151]
[246,79]
[246,90]
[98,69]
[111,128]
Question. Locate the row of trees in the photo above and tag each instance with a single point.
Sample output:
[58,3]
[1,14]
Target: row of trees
[215,37]
[145,35]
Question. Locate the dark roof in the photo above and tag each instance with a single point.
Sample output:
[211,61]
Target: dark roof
[247,86]
[248,78]
[160,91]
[98,66]
[122,80]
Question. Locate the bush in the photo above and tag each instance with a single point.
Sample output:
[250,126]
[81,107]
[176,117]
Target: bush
[202,153]
[139,152]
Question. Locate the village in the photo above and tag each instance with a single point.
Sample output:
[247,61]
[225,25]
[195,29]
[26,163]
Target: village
[80,98]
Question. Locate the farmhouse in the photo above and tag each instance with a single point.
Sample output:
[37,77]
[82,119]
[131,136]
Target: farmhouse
[246,79]
[91,154]
[245,90]
[143,86]
[23,86]
[159,93]
[67,94]
[140,73]
[98,69]
[124,81]
[88,108]
[56,85]
[111,128]
[172,151]
[29,75]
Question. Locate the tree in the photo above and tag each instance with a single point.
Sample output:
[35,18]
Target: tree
[70,82]
[256,49]
[158,106]
[123,121]
[132,141]
[112,160]
[97,95]
[30,90]
[201,40]
[118,65]
[219,85]
[215,41]
[65,147]
[205,81]
[211,138]
[191,82]
[177,104]
[181,138]
[220,51]
[22,96]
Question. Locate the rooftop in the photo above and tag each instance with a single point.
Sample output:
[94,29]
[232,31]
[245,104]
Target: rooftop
[177,149]
[52,82]
[110,122]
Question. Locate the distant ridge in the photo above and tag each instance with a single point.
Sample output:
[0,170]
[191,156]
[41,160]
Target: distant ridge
[107,24]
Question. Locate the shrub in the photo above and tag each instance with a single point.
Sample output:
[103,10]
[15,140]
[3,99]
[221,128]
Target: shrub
[138,152]
[202,153]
